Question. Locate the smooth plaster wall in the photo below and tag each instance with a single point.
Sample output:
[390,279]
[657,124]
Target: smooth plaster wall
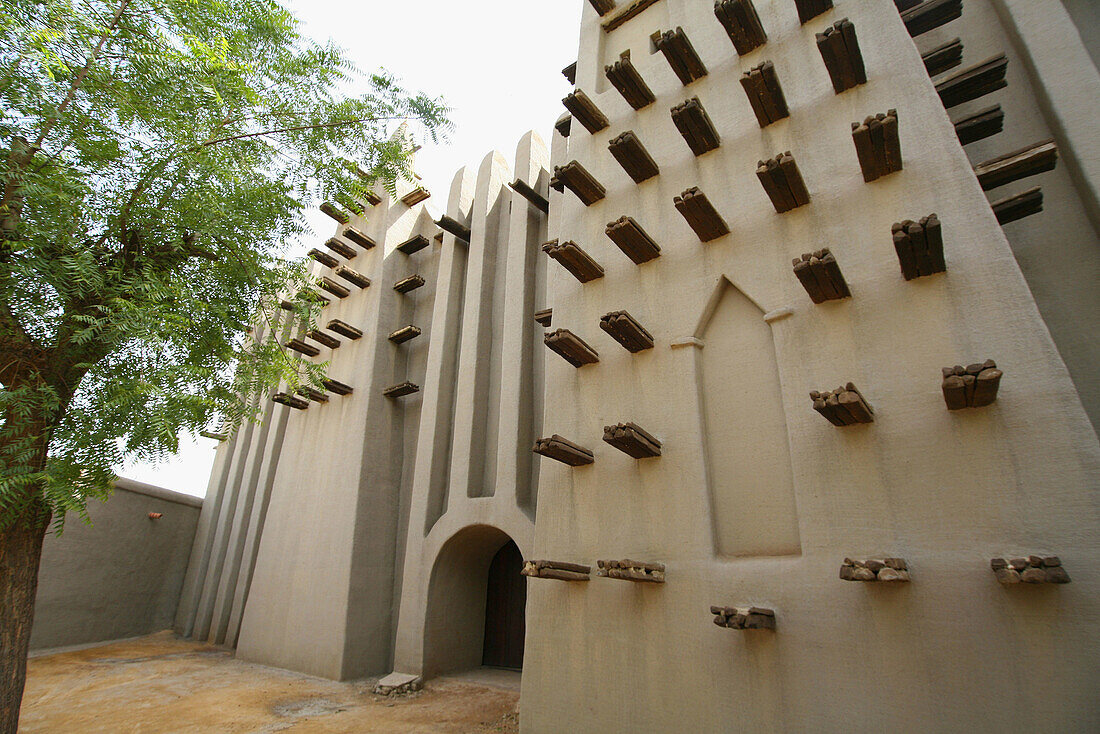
[951,651]
[120,576]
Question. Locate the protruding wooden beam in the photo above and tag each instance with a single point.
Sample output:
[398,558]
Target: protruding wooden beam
[844,406]
[343,249]
[930,14]
[810,9]
[401,389]
[404,334]
[416,243]
[603,7]
[337,387]
[820,275]
[980,125]
[571,347]
[351,276]
[973,386]
[291,401]
[626,330]
[919,246]
[680,54]
[943,57]
[216,435]
[782,182]
[544,317]
[973,82]
[453,226]
[570,73]
[324,339]
[312,393]
[578,262]
[742,24]
[695,125]
[324,258]
[625,78]
[633,240]
[1029,570]
[358,238]
[632,440]
[585,111]
[744,618]
[582,183]
[761,86]
[628,150]
[415,196]
[628,570]
[903,5]
[885,570]
[334,288]
[563,124]
[1019,206]
[335,212]
[558,570]
[1034,159]
[411,283]
[878,146]
[533,197]
[629,12]
[840,52]
[560,449]
[700,214]
[344,329]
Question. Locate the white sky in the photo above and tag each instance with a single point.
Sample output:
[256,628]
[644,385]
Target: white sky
[497,63]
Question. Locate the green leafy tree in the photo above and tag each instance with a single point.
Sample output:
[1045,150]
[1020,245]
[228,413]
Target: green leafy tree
[155,159]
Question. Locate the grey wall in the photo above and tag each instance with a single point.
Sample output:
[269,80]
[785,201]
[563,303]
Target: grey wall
[119,577]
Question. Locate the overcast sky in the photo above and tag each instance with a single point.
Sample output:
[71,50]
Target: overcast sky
[497,63]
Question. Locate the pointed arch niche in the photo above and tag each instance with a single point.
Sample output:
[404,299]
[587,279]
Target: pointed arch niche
[748,456]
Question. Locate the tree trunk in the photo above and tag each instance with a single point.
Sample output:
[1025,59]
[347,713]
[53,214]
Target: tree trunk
[20,553]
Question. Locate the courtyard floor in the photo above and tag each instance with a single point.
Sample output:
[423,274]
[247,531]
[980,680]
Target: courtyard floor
[164,684]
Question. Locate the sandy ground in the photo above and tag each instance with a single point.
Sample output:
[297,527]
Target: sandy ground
[163,684]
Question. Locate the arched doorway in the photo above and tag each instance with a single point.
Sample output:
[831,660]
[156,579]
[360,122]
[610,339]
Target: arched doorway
[505,601]
[476,600]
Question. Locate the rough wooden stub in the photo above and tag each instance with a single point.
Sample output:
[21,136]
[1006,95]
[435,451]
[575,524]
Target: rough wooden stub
[626,330]
[820,275]
[919,246]
[585,111]
[889,570]
[343,249]
[344,329]
[415,196]
[840,52]
[700,214]
[560,449]
[335,212]
[312,393]
[944,57]
[578,262]
[563,125]
[744,618]
[1028,161]
[973,82]
[980,125]
[571,347]
[973,386]
[303,348]
[628,150]
[632,440]
[404,334]
[741,23]
[336,387]
[680,54]
[322,338]
[930,14]
[603,7]
[844,406]
[810,9]
[695,125]
[766,97]
[453,226]
[291,401]
[1021,205]
[544,317]
[878,146]
[558,570]
[358,238]
[782,181]
[355,278]
[630,84]
[570,73]
[628,570]
[1029,570]
[533,197]
[416,243]
[629,12]
[411,283]
[324,258]
[633,240]
[577,179]
[401,389]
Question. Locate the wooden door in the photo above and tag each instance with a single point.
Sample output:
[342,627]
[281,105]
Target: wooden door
[505,600]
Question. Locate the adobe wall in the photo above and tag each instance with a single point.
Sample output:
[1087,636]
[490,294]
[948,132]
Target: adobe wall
[945,490]
[120,576]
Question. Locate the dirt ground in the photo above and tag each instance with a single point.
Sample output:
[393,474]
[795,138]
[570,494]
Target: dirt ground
[163,684]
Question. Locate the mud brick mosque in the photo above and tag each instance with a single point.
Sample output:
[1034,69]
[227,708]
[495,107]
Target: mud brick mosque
[762,397]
